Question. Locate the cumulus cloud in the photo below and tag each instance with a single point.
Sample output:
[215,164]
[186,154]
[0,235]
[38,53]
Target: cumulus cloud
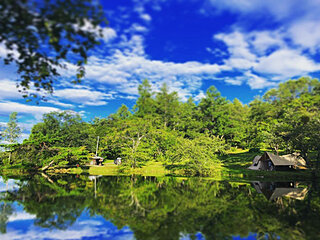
[7,107]
[125,69]
[306,34]
[264,57]
[83,96]
[285,63]
[280,10]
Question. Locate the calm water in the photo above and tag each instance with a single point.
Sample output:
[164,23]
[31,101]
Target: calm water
[90,207]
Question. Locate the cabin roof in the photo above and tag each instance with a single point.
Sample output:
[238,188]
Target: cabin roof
[279,161]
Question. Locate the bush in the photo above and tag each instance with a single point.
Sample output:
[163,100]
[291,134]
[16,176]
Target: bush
[254,150]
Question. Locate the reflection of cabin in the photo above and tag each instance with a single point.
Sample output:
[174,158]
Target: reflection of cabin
[270,161]
[274,190]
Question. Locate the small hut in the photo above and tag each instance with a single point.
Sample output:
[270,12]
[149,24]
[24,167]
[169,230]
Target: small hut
[269,161]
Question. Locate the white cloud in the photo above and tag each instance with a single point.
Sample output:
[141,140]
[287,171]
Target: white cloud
[264,40]
[83,96]
[20,216]
[8,90]
[306,33]
[257,82]
[79,230]
[280,10]
[108,34]
[146,17]
[235,80]
[4,51]
[237,44]
[61,104]
[199,96]
[7,107]
[286,63]
[264,57]
[129,65]
[137,28]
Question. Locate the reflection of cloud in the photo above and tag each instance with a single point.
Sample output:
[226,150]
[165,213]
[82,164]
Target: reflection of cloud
[20,216]
[10,185]
[87,228]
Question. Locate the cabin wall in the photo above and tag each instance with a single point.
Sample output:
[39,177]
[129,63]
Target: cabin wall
[283,168]
[264,165]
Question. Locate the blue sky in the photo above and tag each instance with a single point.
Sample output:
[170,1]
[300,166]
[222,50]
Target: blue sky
[243,47]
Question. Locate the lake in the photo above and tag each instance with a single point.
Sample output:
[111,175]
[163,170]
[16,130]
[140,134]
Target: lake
[136,207]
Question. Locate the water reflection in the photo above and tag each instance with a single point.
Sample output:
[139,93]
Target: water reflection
[276,190]
[75,207]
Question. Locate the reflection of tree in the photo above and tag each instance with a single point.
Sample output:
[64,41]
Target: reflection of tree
[6,210]
[158,208]
[54,205]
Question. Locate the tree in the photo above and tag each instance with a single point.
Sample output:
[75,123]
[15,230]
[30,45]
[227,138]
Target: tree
[145,103]
[295,106]
[238,120]
[41,36]
[130,139]
[13,131]
[167,106]
[122,113]
[214,112]
[62,129]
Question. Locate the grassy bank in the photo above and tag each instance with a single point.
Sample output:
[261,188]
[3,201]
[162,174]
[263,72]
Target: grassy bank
[235,166]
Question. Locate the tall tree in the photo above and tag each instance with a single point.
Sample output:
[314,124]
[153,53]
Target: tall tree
[167,106]
[12,131]
[145,104]
[236,132]
[214,112]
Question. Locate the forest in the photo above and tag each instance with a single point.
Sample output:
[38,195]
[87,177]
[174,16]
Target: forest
[189,135]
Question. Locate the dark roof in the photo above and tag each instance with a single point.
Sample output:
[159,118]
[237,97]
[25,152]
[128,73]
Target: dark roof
[278,161]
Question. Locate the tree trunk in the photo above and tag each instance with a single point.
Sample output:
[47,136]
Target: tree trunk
[10,155]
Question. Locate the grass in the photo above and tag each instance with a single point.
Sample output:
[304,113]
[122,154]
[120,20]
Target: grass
[150,169]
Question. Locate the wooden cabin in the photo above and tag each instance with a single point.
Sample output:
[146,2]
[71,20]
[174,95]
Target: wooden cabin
[271,162]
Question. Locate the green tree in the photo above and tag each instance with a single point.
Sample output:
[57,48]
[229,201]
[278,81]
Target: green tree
[145,104]
[167,106]
[130,139]
[296,106]
[214,112]
[41,36]
[6,210]
[237,129]
[12,132]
